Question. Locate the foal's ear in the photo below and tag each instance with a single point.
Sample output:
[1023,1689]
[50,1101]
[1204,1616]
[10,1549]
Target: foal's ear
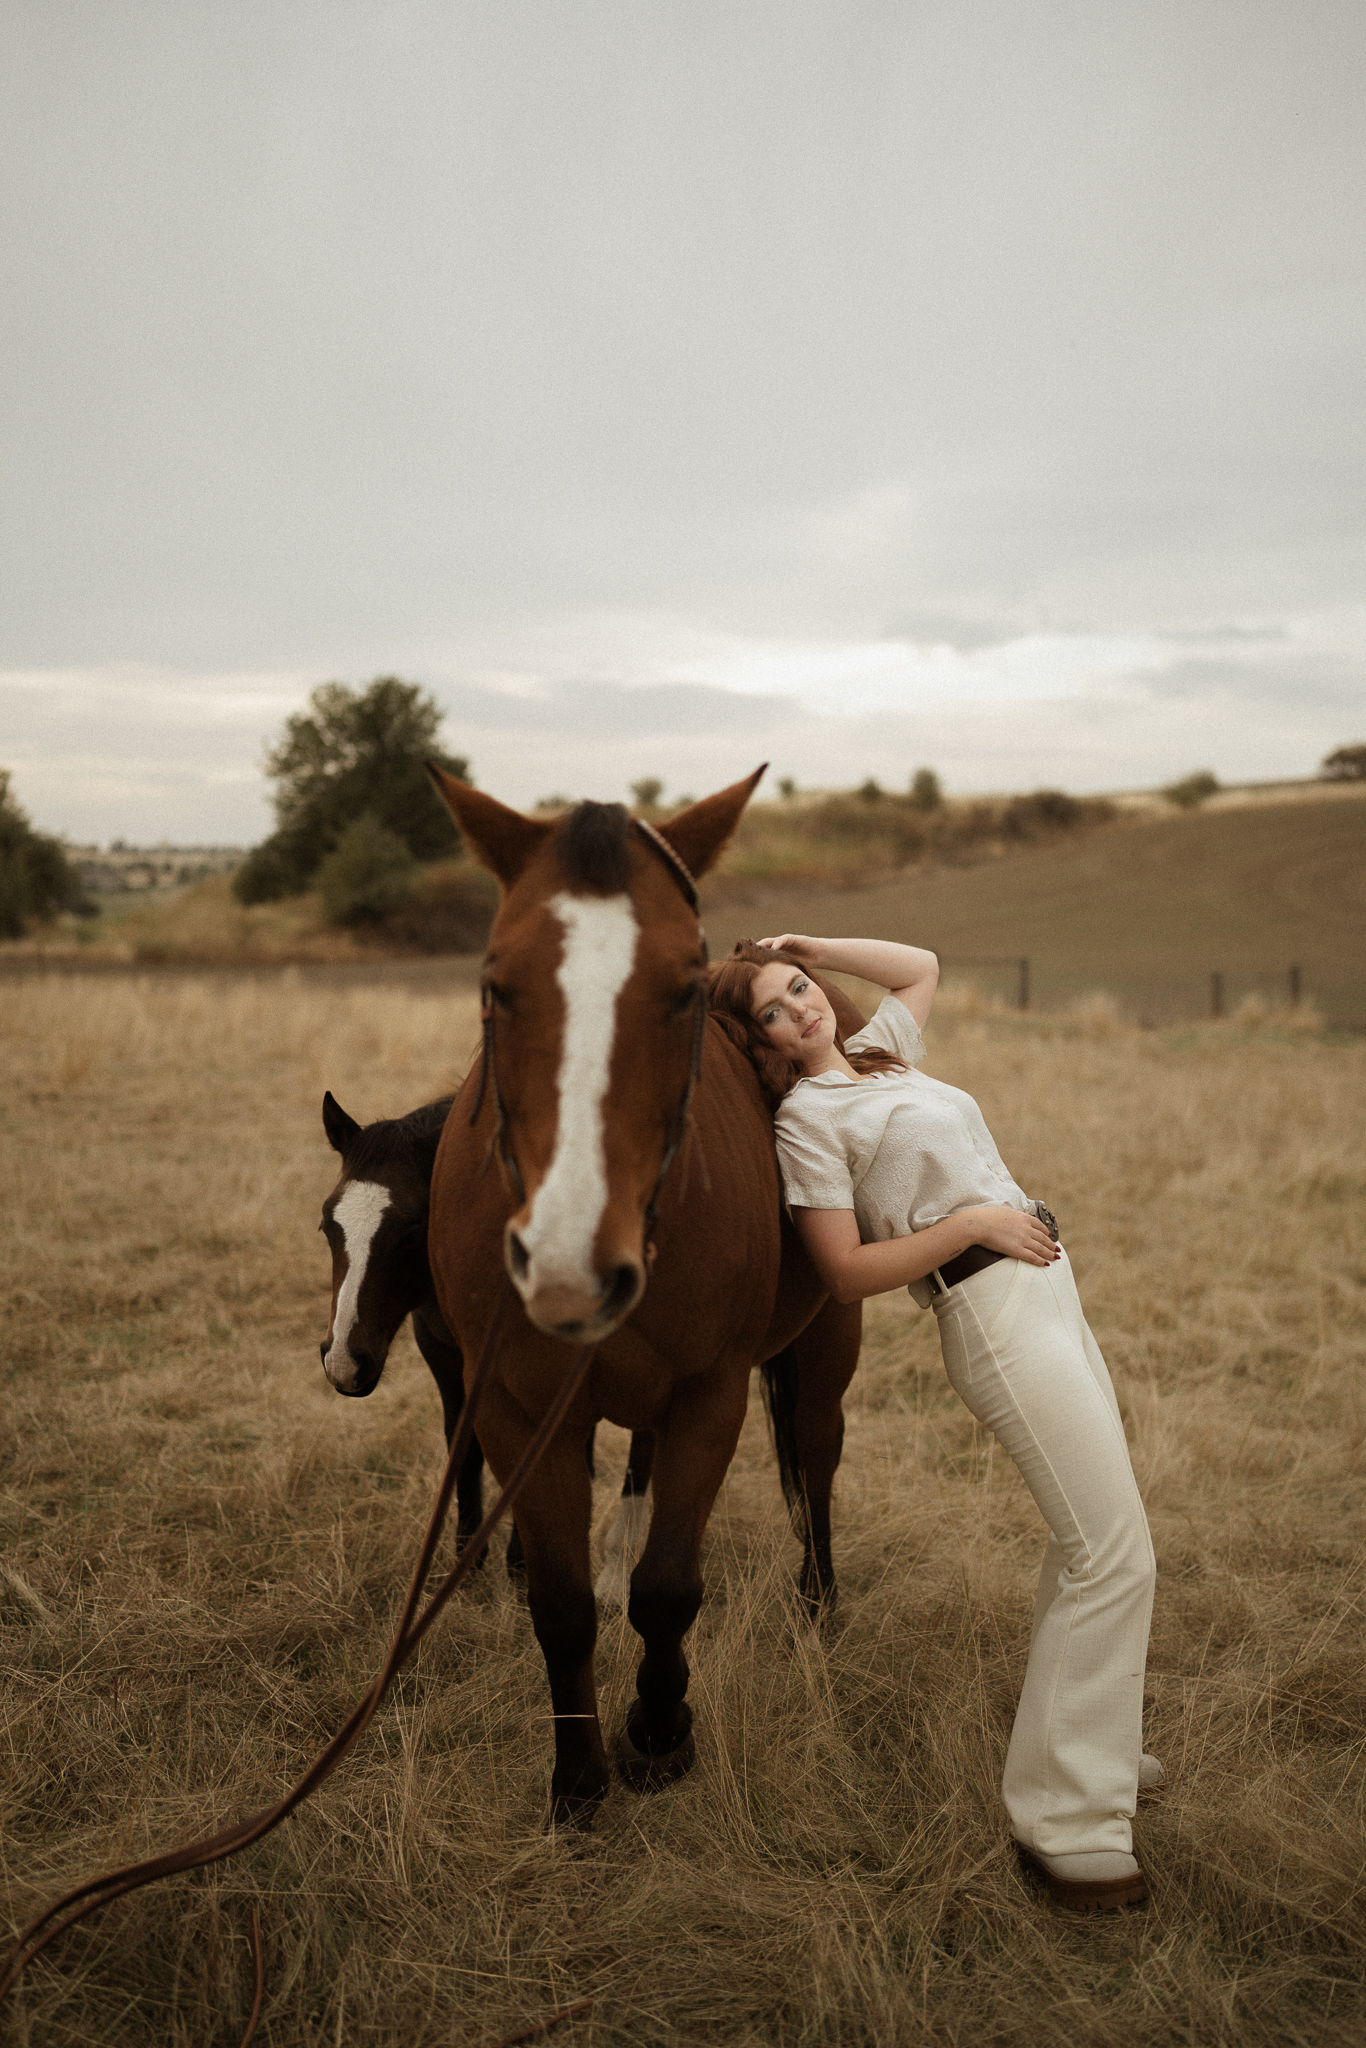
[698,834]
[342,1130]
[503,840]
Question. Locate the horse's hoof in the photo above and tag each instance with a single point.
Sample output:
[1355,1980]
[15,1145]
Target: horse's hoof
[576,1816]
[576,1809]
[818,1604]
[645,1772]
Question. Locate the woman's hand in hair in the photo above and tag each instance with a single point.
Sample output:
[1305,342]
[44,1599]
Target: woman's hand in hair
[910,973]
[799,945]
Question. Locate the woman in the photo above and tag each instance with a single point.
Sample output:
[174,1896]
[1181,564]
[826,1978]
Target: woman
[893,1180]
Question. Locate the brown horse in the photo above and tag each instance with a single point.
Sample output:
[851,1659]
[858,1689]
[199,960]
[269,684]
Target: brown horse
[557,1170]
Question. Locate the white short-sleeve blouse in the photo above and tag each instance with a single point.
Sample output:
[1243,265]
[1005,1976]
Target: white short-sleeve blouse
[900,1149]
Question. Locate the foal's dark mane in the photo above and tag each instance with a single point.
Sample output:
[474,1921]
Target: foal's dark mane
[593,847]
[408,1140]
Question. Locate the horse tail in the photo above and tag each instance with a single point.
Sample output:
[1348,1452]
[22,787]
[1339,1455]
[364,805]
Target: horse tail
[779,1378]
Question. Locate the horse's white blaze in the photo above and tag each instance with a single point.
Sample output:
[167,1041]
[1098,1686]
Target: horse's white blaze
[357,1216]
[600,935]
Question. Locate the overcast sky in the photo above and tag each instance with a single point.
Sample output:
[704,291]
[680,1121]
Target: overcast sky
[669,386]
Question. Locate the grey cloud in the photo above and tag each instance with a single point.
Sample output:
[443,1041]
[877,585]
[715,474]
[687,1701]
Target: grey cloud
[97,770]
[331,334]
[948,629]
[626,714]
[327,330]
[1315,685]
[1222,635]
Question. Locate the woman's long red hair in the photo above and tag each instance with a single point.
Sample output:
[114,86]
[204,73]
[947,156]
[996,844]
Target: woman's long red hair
[729,995]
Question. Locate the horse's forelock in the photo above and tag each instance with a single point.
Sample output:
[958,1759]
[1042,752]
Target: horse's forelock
[593,848]
[405,1142]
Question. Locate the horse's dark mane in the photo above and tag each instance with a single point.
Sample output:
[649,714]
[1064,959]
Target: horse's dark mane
[593,847]
[410,1140]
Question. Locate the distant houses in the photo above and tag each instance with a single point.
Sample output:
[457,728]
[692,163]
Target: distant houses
[110,871]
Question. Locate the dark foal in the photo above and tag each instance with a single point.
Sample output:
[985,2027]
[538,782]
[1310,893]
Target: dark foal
[375,1222]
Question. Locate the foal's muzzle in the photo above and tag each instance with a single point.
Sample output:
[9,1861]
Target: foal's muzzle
[366,1373]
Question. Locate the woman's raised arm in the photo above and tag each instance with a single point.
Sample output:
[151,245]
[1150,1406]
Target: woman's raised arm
[910,973]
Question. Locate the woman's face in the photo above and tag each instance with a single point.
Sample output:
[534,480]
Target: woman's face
[793,1014]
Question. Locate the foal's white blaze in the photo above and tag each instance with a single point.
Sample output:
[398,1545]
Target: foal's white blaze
[357,1216]
[600,935]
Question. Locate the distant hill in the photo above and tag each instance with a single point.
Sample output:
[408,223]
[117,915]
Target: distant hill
[1147,908]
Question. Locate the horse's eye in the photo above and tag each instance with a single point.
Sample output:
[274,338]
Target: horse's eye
[496,997]
[680,1004]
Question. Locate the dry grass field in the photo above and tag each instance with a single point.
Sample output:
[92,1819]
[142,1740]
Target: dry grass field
[203,1548]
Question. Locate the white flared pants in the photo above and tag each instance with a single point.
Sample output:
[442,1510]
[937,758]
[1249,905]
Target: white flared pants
[1018,1351]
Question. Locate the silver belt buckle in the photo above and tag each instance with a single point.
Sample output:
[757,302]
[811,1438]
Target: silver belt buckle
[1048,1219]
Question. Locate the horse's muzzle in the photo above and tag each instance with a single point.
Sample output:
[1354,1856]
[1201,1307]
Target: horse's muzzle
[362,1377]
[572,1312]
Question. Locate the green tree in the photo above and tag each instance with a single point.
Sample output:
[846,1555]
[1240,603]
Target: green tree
[1192,790]
[925,792]
[36,878]
[647,792]
[369,871]
[352,752]
[1345,764]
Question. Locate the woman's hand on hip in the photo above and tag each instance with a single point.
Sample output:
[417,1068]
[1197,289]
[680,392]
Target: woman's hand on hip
[1012,1231]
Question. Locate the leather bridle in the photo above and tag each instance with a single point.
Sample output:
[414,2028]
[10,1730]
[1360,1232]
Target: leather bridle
[673,1137]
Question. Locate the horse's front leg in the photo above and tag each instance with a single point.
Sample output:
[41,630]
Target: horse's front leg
[692,1452]
[554,1509]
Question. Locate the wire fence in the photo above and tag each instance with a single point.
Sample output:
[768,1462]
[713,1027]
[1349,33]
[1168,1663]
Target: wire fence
[1018,966]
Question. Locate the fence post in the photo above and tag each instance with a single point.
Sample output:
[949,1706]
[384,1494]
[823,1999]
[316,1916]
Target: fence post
[1293,982]
[1216,994]
[1024,981]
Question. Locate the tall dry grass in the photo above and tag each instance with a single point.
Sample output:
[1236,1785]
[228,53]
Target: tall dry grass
[203,1549]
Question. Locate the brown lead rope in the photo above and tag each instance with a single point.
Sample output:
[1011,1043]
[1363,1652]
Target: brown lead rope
[99,1891]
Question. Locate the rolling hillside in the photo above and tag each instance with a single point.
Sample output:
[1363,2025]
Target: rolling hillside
[1144,908]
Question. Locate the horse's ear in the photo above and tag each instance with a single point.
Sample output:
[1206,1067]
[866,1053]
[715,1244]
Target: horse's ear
[502,839]
[342,1130]
[698,834]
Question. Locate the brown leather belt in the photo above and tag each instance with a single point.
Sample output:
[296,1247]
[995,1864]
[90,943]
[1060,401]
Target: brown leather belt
[977,1257]
[973,1260]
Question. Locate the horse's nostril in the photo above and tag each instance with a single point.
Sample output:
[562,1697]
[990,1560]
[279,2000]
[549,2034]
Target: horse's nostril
[518,1256]
[622,1290]
[322,1351]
